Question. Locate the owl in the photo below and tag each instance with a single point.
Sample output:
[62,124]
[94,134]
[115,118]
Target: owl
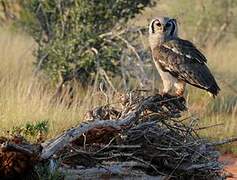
[177,60]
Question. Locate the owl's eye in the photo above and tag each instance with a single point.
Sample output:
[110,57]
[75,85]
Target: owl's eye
[168,24]
[158,24]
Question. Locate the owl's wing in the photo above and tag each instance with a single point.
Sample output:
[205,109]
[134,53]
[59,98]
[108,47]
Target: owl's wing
[182,60]
[186,48]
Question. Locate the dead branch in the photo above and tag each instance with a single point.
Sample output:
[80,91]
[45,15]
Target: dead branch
[210,126]
[112,170]
[8,146]
[225,141]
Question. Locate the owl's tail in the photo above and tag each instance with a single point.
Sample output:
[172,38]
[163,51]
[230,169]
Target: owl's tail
[213,90]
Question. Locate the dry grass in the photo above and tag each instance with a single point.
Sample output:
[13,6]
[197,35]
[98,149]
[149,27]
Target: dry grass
[25,98]
[223,109]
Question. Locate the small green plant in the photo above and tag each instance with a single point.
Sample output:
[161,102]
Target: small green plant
[44,172]
[34,131]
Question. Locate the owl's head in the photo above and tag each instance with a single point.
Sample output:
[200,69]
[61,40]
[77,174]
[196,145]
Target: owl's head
[162,29]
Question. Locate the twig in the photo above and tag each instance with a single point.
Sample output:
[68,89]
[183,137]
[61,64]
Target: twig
[115,155]
[40,64]
[210,126]
[106,146]
[149,164]
[125,146]
[180,162]
[84,141]
[140,62]
[102,71]
[225,141]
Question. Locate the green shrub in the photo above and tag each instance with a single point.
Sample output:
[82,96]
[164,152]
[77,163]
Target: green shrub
[31,130]
[68,35]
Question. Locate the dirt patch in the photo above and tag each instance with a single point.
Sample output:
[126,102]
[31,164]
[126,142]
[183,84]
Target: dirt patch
[230,162]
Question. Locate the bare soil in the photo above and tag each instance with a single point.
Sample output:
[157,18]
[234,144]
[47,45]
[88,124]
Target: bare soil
[230,162]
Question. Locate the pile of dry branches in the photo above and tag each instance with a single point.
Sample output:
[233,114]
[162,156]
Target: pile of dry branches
[146,139]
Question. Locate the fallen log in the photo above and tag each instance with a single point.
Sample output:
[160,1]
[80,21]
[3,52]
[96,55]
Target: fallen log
[18,160]
[111,171]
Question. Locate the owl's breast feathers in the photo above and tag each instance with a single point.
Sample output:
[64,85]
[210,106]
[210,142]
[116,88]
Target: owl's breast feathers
[185,62]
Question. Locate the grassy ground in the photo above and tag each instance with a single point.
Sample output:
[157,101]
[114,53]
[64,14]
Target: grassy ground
[25,98]
[223,109]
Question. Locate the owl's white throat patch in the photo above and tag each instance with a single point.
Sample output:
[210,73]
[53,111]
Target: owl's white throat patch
[155,40]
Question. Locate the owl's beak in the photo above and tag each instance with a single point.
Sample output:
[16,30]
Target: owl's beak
[163,28]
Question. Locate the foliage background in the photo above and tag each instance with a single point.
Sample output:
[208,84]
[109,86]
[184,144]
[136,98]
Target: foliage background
[69,35]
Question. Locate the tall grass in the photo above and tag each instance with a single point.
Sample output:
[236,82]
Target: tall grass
[223,109]
[26,98]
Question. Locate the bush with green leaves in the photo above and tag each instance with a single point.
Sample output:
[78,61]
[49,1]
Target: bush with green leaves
[69,34]
[31,130]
